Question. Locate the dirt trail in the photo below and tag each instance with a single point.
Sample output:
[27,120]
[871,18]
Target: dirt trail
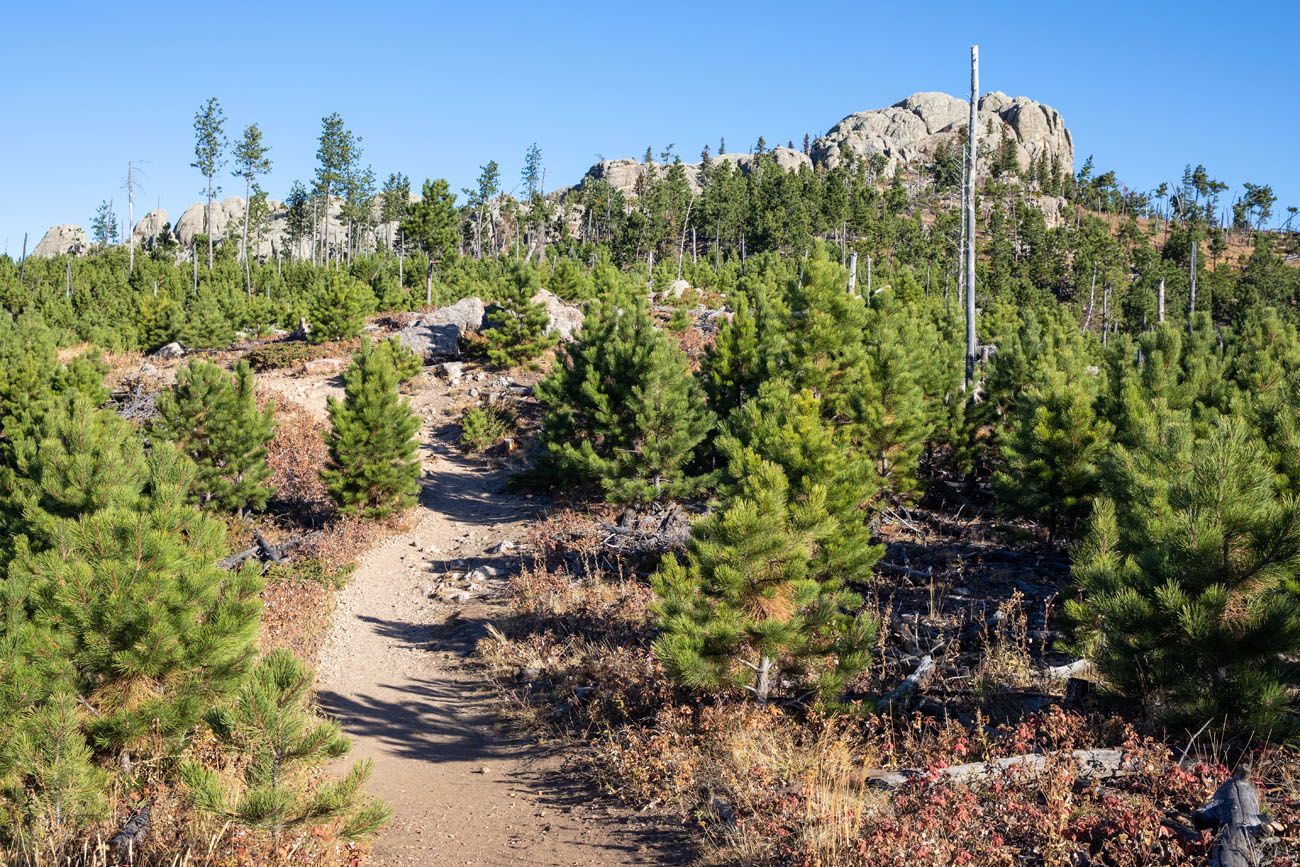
[396,673]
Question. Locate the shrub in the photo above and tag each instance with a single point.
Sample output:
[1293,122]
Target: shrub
[271,726]
[406,362]
[483,427]
[287,353]
[374,459]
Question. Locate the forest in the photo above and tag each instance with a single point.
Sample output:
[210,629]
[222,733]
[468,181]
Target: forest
[821,563]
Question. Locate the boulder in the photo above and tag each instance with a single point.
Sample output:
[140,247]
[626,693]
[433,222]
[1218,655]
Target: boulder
[65,239]
[171,350]
[565,319]
[437,335]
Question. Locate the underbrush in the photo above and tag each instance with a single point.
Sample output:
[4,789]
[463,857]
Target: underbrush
[789,784]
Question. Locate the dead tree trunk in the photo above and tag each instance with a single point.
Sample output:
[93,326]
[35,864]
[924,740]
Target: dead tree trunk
[1160,301]
[1191,296]
[853,272]
[1235,811]
[971,342]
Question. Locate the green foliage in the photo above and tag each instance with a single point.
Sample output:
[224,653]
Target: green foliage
[621,407]
[339,307]
[206,324]
[483,427]
[735,365]
[216,422]
[519,332]
[271,728]
[283,354]
[374,458]
[1053,454]
[790,430]
[1189,580]
[407,363]
[746,609]
[125,606]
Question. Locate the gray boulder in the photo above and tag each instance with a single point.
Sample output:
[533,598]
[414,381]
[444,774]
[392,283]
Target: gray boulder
[438,334]
[65,239]
[565,319]
[171,350]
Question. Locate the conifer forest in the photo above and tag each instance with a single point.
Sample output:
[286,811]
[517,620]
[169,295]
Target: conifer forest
[919,493]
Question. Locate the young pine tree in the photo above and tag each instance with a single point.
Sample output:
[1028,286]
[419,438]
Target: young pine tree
[206,325]
[622,409]
[338,307]
[270,724]
[130,609]
[1189,584]
[519,328]
[1053,454]
[216,422]
[735,365]
[374,458]
[790,430]
[745,610]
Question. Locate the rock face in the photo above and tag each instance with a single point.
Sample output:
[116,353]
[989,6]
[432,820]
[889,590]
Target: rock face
[566,319]
[151,225]
[437,335]
[912,129]
[65,239]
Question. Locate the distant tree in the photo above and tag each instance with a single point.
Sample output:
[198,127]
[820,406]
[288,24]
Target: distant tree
[270,726]
[103,228]
[333,156]
[432,224]
[480,200]
[251,161]
[206,324]
[298,221]
[395,199]
[374,465]
[534,177]
[216,422]
[209,156]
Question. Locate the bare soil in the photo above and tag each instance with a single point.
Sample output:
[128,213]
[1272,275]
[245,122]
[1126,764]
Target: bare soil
[397,671]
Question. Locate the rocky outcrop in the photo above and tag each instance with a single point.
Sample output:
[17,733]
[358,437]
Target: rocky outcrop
[62,240]
[150,226]
[911,130]
[438,334]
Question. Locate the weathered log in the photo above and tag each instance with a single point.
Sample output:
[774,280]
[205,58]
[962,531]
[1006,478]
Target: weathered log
[1235,811]
[262,550]
[1093,764]
[133,832]
[1073,669]
[917,680]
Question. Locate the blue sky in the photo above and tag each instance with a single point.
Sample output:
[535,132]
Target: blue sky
[437,89]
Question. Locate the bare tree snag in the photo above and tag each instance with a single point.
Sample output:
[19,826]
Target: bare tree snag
[971,135]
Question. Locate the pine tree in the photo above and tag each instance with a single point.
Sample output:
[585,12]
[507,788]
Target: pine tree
[1189,581]
[432,224]
[406,362]
[206,325]
[891,403]
[374,458]
[1053,455]
[216,422]
[519,332]
[338,307]
[790,430]
[622,409]
[735,366]
[745,610]
[271,726]
[152,629]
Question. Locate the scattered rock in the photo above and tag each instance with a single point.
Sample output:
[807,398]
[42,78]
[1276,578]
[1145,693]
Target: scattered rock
[438,334]
[453,371]
[678,288]
[171,350]
[483,573]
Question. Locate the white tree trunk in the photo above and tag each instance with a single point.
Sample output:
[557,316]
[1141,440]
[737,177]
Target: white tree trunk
[971,342]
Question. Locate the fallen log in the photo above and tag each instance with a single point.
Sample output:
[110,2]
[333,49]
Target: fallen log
[1235,811]
[261,549]
[1093,765]
[1077,668]
[127,840]
[915,681]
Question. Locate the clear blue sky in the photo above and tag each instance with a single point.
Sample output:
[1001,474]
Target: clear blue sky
[436,89]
